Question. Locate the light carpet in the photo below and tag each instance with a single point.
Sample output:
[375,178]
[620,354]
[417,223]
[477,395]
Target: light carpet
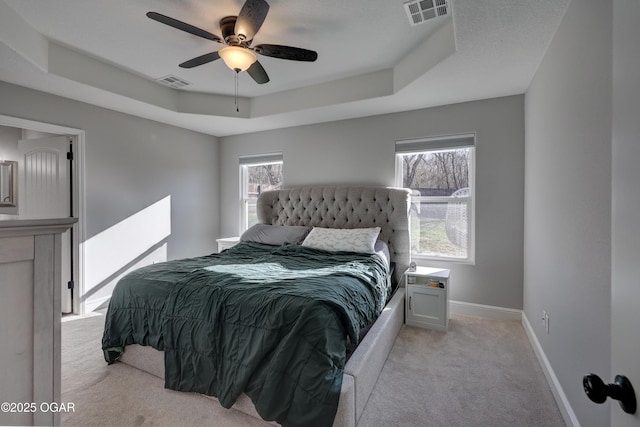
[481,372]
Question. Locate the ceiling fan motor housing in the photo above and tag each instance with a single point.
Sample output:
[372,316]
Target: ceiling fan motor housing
[227,26]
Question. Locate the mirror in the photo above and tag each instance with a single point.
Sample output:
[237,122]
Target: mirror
[8,184]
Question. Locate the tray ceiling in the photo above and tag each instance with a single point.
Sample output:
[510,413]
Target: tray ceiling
[371,60]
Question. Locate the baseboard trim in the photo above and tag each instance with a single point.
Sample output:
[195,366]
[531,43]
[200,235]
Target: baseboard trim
[488,311]
[558,393]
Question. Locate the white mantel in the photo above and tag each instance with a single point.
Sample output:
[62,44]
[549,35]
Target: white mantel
[30,316]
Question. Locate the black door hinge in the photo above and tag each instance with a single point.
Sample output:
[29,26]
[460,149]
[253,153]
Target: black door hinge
[70,284]
[69,155]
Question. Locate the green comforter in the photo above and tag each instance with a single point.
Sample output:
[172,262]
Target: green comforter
[268,321]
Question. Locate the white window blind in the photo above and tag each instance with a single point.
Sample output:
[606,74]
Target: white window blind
[261,159]
[437,143]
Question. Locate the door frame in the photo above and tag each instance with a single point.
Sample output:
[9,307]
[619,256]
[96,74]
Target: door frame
[78,194]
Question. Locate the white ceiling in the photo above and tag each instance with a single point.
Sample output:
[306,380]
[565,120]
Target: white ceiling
[370,59]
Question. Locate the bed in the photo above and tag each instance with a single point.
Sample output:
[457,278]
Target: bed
[297,376]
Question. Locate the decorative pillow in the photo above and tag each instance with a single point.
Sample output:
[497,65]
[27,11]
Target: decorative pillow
[275,234]
[347,239]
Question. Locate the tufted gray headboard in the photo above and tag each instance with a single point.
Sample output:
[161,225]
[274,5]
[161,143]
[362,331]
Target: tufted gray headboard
[345,207]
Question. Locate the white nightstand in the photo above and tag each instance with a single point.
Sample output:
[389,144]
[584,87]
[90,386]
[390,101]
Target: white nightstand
[227,242]
[427,298]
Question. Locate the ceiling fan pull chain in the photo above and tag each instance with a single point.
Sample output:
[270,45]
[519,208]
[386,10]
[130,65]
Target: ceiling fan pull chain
[237,108]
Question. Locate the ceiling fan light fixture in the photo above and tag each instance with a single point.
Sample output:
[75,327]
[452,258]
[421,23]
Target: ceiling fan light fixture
[237,58]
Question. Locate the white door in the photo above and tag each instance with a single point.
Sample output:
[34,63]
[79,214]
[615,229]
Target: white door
[625,213]
[44,188]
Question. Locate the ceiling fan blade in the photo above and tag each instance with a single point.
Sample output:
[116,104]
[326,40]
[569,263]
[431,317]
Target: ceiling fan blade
[183,26]
[200,60]
[258,73]
[250,19]
[286,52]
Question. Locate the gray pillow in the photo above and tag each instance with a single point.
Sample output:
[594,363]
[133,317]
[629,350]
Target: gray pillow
[275,234]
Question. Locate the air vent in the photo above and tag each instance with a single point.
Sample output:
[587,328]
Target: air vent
[420,11]
[173,81]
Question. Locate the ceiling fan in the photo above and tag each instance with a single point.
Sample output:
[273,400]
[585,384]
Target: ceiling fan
[237,35]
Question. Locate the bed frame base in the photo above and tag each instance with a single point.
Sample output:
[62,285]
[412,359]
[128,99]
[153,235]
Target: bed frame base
[360,374]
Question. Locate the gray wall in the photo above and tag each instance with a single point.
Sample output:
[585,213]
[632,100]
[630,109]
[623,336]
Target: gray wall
[131,163]
[363,151]
[9,137]
[567,247]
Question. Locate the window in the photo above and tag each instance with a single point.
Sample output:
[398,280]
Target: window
[440,174]
[257,174]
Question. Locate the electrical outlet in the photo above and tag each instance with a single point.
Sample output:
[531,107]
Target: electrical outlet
[546,321]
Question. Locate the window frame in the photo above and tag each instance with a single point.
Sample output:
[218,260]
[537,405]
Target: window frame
[439,144]
[245,201]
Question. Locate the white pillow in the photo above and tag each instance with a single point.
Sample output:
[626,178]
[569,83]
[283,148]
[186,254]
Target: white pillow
[343,239]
